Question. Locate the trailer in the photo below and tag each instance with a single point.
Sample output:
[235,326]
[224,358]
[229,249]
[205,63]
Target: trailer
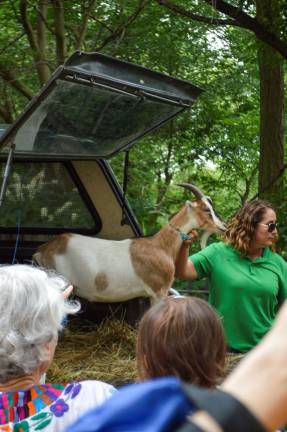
[56,175]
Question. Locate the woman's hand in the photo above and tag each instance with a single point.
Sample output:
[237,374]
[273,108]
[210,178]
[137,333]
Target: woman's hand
[184,269]
[193,234]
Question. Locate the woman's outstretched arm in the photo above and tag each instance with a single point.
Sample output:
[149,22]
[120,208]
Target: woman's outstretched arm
[184,269]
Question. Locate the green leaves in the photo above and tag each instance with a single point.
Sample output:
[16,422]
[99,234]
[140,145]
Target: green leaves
[215,145]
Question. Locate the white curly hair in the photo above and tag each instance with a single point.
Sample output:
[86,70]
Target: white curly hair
[32,309]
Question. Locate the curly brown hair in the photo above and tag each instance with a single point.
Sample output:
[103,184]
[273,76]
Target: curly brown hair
[181,337]
[241,229]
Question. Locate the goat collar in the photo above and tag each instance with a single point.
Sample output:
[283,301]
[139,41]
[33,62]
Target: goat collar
[183,235]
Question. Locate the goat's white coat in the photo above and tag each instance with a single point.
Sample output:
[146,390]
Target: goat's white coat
[85,258]
[111,258]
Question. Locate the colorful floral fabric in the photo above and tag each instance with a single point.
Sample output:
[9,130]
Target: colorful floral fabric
[50,407]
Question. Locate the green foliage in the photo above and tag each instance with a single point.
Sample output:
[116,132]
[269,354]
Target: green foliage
[215,145]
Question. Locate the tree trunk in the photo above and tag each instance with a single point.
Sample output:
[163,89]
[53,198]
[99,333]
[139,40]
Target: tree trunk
[41,37]
[271,72]
[59,15]
[6,107]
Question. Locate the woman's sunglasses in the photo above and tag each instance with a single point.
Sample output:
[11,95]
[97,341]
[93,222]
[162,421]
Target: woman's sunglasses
[271,226]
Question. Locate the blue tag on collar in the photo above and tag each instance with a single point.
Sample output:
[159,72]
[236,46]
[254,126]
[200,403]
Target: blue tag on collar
[184,236]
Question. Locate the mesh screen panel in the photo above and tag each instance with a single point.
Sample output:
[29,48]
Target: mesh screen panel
[43,195]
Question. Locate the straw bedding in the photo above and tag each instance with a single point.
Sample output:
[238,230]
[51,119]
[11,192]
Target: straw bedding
[105,352]
[232,360]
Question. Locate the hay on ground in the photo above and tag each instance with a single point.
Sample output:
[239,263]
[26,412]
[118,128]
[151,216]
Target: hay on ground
[86,351]
[105,352]
[232,360]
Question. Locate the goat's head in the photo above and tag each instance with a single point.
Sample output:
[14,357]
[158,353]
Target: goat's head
[202,215]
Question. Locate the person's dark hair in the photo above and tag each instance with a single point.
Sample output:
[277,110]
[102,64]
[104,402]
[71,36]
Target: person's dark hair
[183,337]
[241,228]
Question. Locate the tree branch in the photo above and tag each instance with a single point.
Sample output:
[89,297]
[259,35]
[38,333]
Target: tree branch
[43,68]
[123,27]
[83,29]
[13,7]
[102,23]
[27,26]
[195,17]
[6,109]
[59,30]
[248,181]
[38,55]
[251,24]
[12,42]
[44,19]
[239,19]
[272,181]
[11,79]
[5,117]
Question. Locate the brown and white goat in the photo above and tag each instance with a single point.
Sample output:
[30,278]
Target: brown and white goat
[111,271]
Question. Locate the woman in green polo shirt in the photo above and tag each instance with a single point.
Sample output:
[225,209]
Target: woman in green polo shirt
[247,280]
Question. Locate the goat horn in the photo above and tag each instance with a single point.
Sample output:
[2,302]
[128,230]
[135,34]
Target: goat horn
[197,192]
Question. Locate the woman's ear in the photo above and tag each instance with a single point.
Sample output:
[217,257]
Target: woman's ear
[49,348]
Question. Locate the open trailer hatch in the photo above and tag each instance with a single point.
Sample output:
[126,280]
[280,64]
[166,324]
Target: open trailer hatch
[94,106]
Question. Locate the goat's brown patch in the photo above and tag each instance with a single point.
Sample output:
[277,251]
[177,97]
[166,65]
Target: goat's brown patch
[180,218]
[101,281]
[56,246]
[152,263]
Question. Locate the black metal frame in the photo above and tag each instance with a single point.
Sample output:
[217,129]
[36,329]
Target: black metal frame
[117,190]
[186,92]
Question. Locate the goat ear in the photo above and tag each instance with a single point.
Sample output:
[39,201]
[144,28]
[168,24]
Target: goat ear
[190,204]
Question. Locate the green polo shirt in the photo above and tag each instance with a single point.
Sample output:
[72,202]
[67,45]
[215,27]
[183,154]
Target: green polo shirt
[245,293]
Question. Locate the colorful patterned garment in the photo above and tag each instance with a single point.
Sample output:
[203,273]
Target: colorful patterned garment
[50,407]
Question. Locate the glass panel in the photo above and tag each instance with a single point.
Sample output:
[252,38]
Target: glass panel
[43,195]
[83,120]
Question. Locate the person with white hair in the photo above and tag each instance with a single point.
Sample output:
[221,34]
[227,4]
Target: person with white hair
[33,305]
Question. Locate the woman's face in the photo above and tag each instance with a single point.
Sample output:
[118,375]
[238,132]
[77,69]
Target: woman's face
[262,236]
